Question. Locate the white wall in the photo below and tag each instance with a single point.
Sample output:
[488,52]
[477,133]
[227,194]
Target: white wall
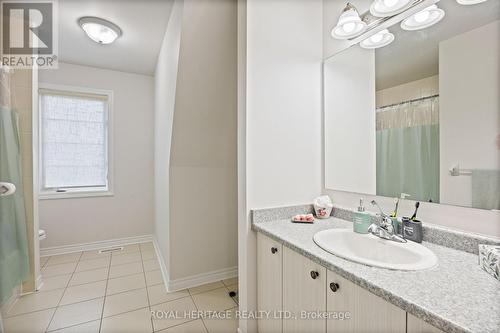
[428,86]
[283,117]
[165,87]
[130,211]
[469,108]
[203,175]
[349,121]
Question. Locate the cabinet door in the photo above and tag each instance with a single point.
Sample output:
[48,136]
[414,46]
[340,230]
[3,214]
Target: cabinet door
[269,282]
[368,312]
[304,284]
[416,325]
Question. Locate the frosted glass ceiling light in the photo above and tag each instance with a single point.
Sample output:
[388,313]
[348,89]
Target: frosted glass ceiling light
[349,24]
[380,39]
[384,8]
[423,19]
[470,2]
[99,30]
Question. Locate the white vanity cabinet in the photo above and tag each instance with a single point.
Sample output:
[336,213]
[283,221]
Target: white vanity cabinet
[416,325]
[269,282]
[290,283]
[304,284]
[368,312]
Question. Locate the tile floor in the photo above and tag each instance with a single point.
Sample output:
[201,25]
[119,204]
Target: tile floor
[91,292]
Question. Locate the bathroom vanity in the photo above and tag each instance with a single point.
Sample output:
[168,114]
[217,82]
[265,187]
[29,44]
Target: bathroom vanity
[296,276]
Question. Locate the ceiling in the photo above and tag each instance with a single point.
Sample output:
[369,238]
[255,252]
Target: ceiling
[414,54]
[143,24]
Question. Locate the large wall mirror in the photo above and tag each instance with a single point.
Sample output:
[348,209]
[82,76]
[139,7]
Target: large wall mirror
[420,115]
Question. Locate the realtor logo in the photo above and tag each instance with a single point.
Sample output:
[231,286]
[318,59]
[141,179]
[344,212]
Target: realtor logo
[29,34]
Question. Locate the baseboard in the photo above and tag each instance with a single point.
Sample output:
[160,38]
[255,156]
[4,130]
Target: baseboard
[194,280]
[39,282]
[203,278]
[56,250]
[161,260]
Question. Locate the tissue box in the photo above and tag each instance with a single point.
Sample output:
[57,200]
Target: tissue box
[489,259]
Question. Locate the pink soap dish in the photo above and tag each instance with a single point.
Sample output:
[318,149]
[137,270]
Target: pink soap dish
[303,218]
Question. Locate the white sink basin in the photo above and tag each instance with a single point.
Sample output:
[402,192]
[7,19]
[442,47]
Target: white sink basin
[374,251]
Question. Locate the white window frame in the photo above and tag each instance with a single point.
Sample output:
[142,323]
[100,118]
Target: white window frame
[80,192]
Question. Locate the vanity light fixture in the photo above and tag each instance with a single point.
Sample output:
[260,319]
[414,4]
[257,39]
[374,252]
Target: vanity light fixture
[423,19]
[349,24]
[470,2]
[384,8]
[380,39]
[100,30]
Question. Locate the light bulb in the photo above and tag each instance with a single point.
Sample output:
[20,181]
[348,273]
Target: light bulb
[390,3]
[349,27]
[422,16]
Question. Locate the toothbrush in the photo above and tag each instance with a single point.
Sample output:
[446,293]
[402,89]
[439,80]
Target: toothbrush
[414,216]
[395,212]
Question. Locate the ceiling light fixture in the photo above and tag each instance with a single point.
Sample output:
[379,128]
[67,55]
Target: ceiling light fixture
[384,8]
[100,30]
[380,39]
[349,24]
[423,19]
[470,2]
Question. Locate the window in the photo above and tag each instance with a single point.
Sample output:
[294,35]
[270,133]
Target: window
[74,142]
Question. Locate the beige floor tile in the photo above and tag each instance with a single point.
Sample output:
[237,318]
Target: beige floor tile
[131,322]
[64,258]
[43,261]
[153,277]
[89,276]
[125,283]
[226,325]
[214,300]
[94,255]
[125,258]
[40,300]
[78,313]
[92,264]
[125,302]
[151,265]
[206,287]
[158,294]
[148,255]
[84,292]
[195,326]
[130,249]
[180,306]
[123,270]
[147,246]
[59,269]
[35,322]
[55,282]
[230,282]
[90,327]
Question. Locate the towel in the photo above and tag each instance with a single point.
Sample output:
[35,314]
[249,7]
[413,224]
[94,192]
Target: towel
[485,189]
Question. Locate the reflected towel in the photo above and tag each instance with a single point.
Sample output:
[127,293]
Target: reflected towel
[485,189]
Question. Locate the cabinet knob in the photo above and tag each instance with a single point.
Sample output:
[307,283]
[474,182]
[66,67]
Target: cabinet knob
[274,250]
[334,286]
[314,274]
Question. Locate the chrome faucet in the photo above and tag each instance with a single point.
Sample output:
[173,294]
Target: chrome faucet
[384,229]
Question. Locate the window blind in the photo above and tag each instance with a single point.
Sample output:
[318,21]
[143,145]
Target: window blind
[74,140]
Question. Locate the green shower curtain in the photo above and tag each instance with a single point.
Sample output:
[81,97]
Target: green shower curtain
[408,149]
[14,261]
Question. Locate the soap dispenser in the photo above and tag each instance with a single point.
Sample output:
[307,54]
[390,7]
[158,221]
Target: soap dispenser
[361,219]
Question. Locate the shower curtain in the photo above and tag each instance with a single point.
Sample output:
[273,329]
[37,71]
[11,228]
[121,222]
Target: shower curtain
[14,260]
[408,149]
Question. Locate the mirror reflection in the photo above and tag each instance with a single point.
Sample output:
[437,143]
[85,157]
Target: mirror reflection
[419,115]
